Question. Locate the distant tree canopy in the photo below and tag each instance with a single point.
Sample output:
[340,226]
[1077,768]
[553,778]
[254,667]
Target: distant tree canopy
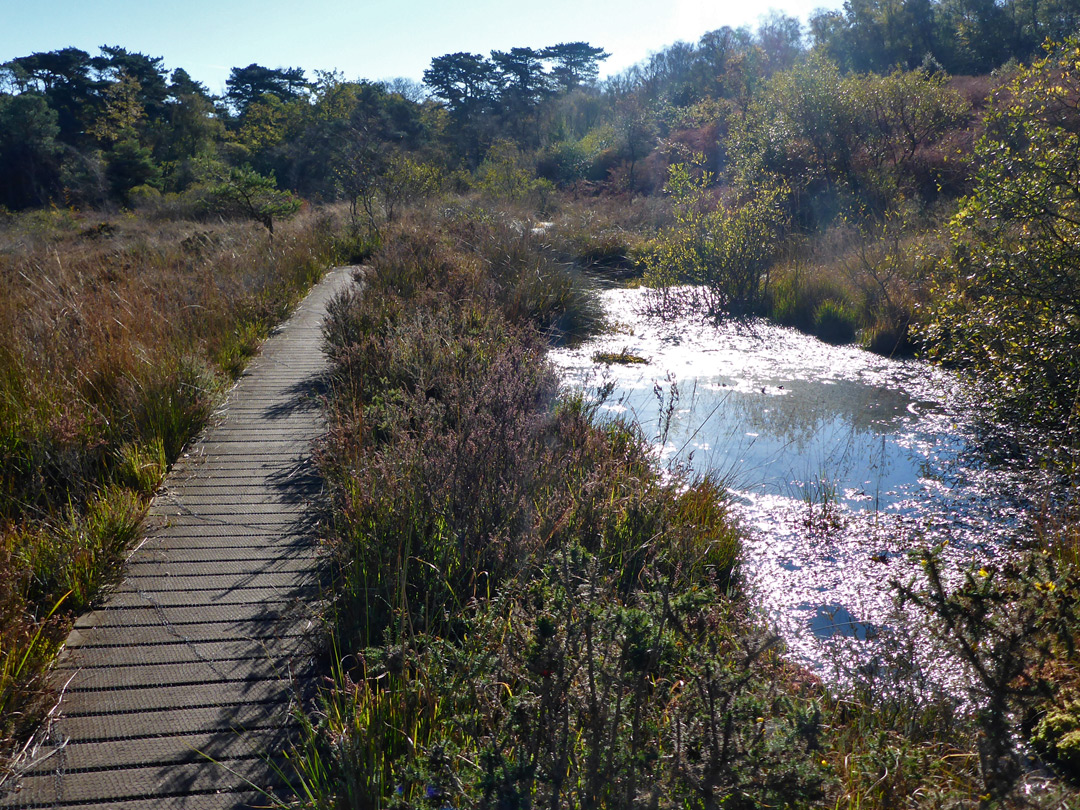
[89,130]
[500,96]
[249,84]
[147,73]
[574,64]
[65,79]
[519,78]
[467,82]
[963,36]
[852,105]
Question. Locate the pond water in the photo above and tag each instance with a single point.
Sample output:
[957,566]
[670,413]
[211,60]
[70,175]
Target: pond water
[840,461]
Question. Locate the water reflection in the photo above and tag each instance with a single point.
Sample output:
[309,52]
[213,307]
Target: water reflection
[841,461]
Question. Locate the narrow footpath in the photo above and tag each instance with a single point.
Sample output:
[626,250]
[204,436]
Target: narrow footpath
[177,692]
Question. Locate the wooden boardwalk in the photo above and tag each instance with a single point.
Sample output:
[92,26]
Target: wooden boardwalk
[177,692]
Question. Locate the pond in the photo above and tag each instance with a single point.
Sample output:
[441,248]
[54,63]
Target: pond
[840,461]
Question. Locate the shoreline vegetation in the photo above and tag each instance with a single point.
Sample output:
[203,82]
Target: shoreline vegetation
[528,611]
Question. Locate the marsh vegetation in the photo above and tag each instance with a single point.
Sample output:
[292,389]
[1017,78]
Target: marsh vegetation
[529,609]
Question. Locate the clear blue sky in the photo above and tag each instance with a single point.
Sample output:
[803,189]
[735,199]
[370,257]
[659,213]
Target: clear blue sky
[364,38]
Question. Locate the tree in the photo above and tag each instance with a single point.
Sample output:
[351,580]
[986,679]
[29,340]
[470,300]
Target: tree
[29,153]
[122,112]
[637,127]
[378,180]
[181,84]
[243,191]
[800,127]
[145,73]
[265,124]
[249,84]
[192,125]
[673,75]
[974,35]
[1035,21]
[575,64]
[128,165]
[780,39]
[523,85]
[468,83]
[1009,308]
[346,133]
[408,89]
[723,57]
[64,78]
[901,114]
[524,82]
[878,35]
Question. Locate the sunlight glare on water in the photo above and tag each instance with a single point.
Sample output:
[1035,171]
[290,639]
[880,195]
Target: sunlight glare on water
[840,461]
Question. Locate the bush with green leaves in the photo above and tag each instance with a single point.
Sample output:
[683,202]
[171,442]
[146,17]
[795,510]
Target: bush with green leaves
[242,191]
[721,252]
[379,181]
[1010,626]
[845,142]
[1008,307]
[506,175]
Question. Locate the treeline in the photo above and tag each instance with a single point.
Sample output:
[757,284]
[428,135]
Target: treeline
[92,130]
[118,127]
[965,37]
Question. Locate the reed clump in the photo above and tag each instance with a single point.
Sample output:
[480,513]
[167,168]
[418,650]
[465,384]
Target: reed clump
[118,334]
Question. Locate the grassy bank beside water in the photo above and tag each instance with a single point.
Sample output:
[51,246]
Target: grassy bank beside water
[528,613]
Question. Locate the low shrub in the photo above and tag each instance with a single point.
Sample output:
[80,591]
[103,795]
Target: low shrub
[722,250]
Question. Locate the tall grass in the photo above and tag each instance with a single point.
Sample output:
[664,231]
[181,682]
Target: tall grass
[117,337]
[863,284]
